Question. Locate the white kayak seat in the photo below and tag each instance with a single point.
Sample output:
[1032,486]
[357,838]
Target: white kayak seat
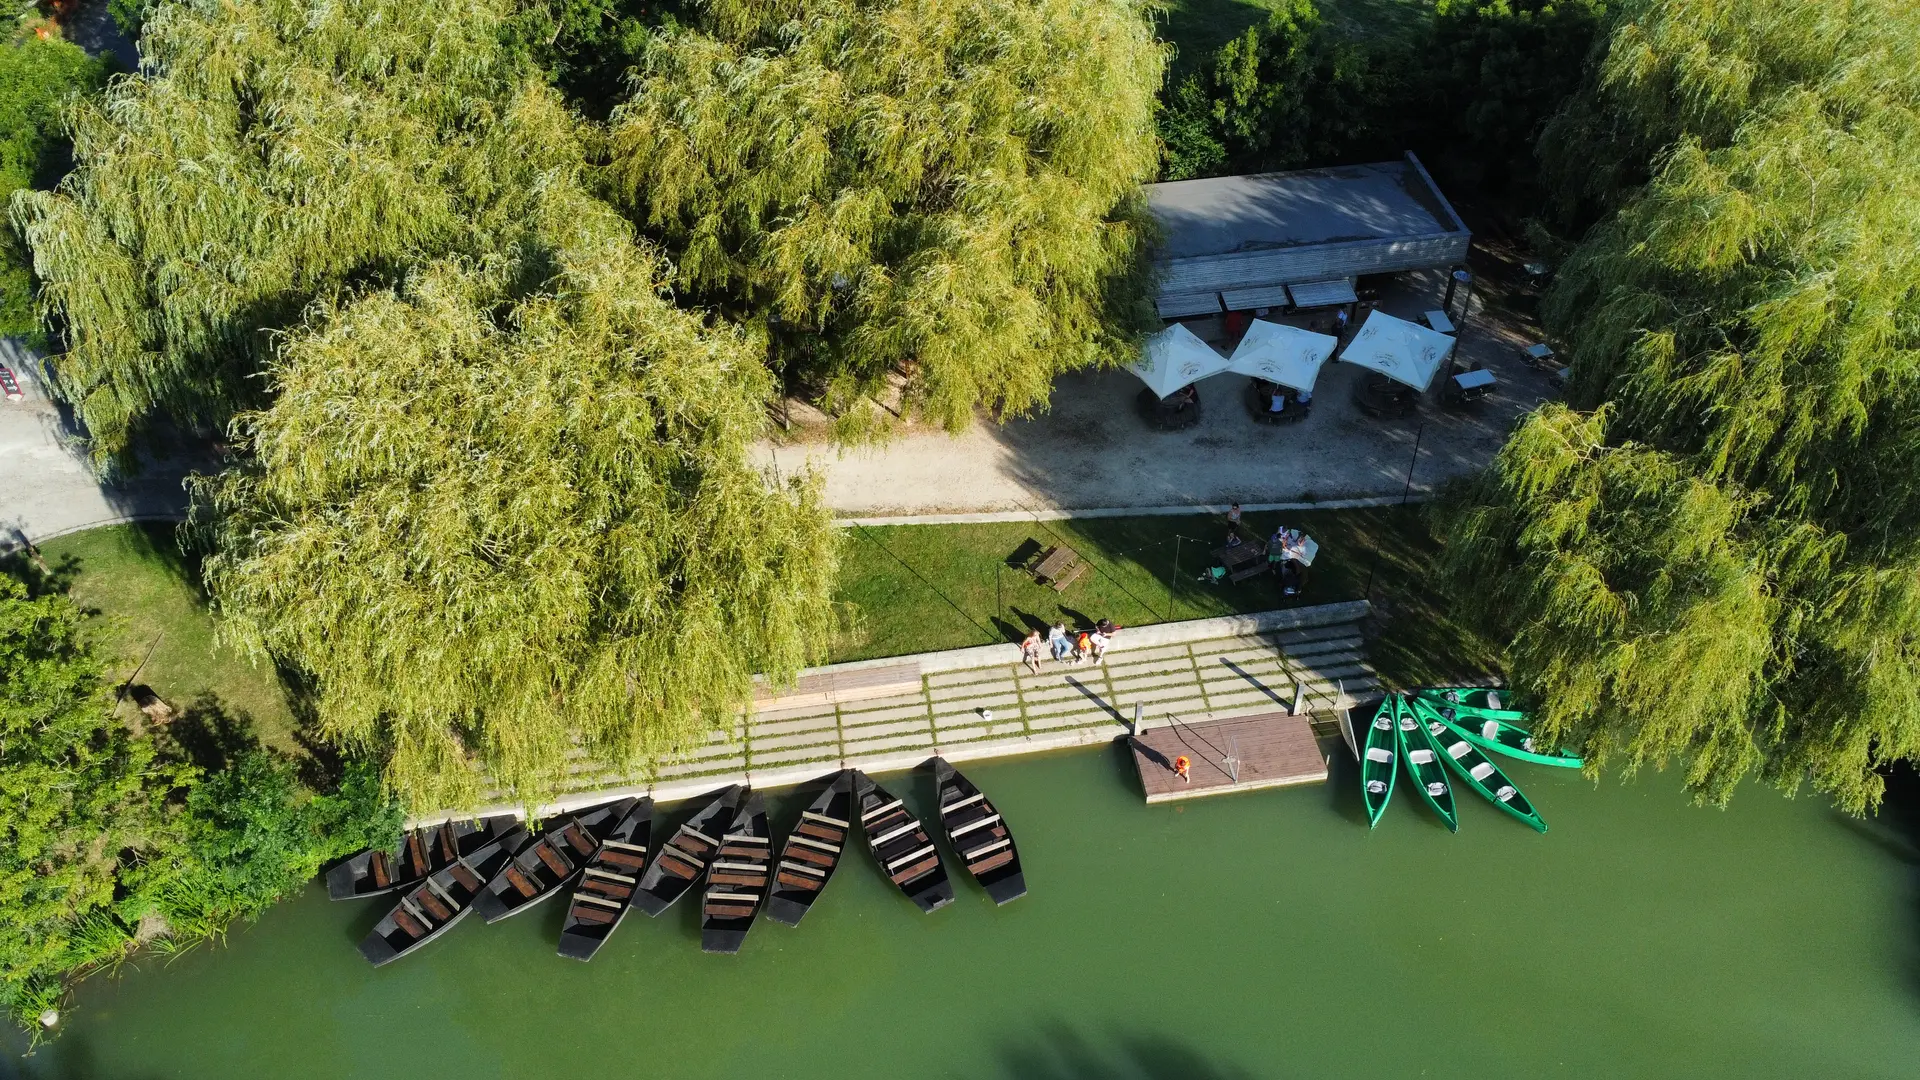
[1490,729]
[1379,753]
[1436,789]
[1505,793]
[1420,757]
[1493,699]
[1407,724]
[1459,750]
[1437,727]
[1481,771]
[1376,786]
[1453,696]
[1382,723]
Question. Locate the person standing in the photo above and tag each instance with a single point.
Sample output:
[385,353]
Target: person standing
[1233,517]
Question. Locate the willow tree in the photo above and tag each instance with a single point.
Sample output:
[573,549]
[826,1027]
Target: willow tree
[504,528]
[1720,562]
[272,152]
[942,188]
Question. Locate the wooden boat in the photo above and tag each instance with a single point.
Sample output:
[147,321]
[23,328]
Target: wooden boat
[737,879]
[901,845]
[1422,756]
[812,852]
[1491,731]
[684,857]
[1482,775]
[431,907]
[420,852]
[1378,763]
[545,866]
[978,835]
[607,882]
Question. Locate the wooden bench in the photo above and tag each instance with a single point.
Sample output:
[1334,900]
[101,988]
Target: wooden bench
[611,890]
[815,857]
[416,854]
[466,877]
[377,867]
[808,828]
[408,925]
[520,883]
[433,906]
[1059,567]
[625,859]
[729,911]
[994,863]
[797,881]
[552,859]
[587,913]
[677,868]
[578,839]
[914,871]
[449,844]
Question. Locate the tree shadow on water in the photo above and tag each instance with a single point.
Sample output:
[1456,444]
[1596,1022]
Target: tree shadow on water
[1066,1055]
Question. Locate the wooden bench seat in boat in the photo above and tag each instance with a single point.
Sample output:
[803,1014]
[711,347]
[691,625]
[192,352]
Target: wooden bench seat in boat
[416,855]
[589,914]
[611,890]
[899,830]
[742,851]
[578,839]
[595,873]
[625,859]
[958,803]
[552,859]
[994,863]
[464,874]
[408,925]
[901,877]
[798,881]
[673,864]
[520,882]
[719,878]
[810,871]
[974,853]
[377,868]
[977,823]
[729,911]
[818,858]
[819,832]
[824,819]
[449,845]
[434,906]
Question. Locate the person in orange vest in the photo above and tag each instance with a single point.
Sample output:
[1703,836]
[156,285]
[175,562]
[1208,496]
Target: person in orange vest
[1180,767]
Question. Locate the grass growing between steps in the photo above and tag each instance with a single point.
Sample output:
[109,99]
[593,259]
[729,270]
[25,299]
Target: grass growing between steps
[919,588]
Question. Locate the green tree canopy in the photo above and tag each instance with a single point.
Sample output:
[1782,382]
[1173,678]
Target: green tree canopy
[272,152]
[36,77]
[501,528]
[1722,562]
[947,188]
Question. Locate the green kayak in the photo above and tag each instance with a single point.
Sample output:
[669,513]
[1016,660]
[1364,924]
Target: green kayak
[1482,775]
[1376,763]
[1422,756]
[1489,731]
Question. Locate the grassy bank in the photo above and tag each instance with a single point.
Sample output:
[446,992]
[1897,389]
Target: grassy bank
[156,629]
[917,588]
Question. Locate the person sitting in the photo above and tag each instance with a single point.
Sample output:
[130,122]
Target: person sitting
[1304,397]
[1233,538]
[1279,400]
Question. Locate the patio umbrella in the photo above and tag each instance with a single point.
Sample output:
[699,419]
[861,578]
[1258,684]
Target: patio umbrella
[1400,350]
[1283,354]
[1175,358]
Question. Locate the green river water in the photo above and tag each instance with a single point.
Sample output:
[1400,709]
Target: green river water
[1260,935]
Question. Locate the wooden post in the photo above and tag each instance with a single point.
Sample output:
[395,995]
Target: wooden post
[1299,691]
[1139,724]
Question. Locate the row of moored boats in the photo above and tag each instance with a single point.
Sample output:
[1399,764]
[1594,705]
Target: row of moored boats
[1428,731]
[498,868]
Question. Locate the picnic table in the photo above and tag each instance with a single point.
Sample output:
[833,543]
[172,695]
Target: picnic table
[1058,567]
[1243,561]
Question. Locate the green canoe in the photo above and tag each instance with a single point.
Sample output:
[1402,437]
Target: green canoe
[1376,763]
[1490,731]
[1480,774]
[1490,700]
[1422,756]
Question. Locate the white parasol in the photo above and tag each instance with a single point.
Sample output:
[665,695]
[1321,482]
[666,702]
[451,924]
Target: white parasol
[1282,354]
[1398,349]
[1174,358]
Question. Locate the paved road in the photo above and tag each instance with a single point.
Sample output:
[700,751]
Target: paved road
[46,487]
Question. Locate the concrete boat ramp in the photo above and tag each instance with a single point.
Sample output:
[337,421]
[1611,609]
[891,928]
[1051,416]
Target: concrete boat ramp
[1237,695]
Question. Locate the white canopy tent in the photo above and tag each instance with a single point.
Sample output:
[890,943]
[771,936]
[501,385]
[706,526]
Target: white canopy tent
[1282,354]
[1403,351]
[1174,358]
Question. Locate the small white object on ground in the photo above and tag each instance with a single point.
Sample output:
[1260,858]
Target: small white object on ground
[49,1018]
[986,714]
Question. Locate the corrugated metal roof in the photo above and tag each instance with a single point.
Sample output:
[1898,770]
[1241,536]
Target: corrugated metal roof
[1323,293]
[1253,269]
[1182,305]
[1249,299]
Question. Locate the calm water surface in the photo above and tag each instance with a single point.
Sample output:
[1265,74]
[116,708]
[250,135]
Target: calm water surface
[1264,935]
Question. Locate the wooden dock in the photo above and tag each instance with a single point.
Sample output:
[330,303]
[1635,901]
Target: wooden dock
[1241,753]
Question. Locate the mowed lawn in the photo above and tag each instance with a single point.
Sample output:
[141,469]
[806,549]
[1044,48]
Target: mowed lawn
[153,619]
[919,588]
[1197,27]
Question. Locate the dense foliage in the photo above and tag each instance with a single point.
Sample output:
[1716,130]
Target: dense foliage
[37,76]
[110,836]
[946,189]
[1720,562]
[506,526]
[279,152]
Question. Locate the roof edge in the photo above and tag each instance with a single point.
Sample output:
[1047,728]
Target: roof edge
[1427,179]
